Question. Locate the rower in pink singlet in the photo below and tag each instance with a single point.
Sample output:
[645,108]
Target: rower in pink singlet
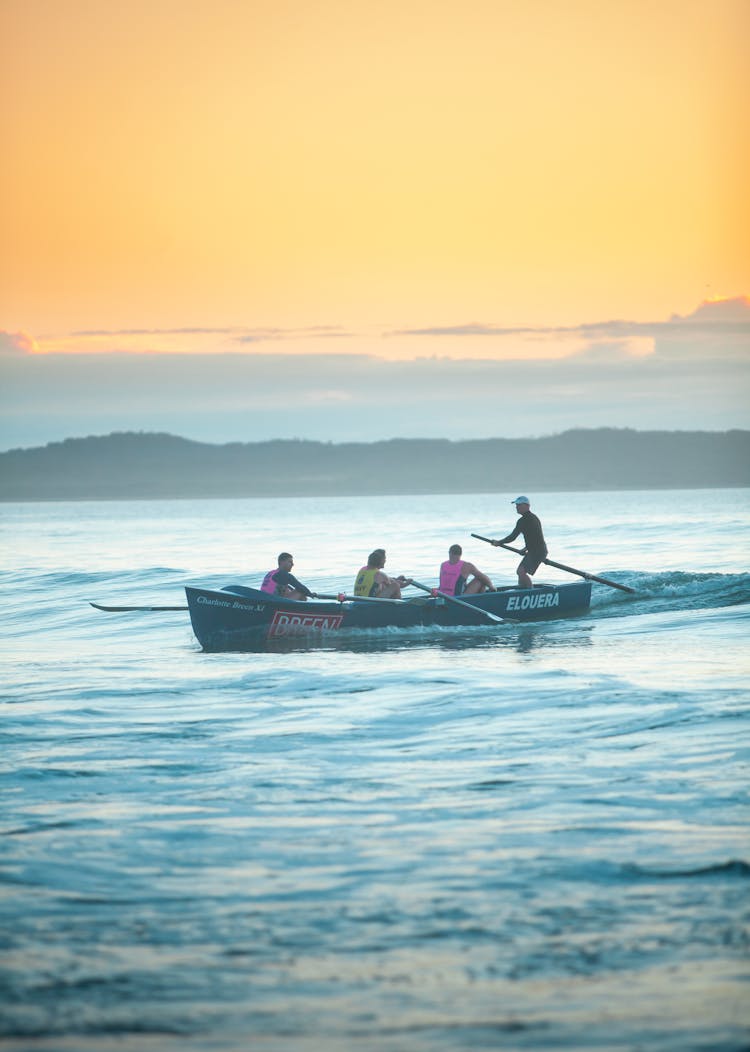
[455,574]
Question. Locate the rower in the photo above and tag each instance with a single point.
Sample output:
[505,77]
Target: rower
[458,577]
[282,581]
[371,582]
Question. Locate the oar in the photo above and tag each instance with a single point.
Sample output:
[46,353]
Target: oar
[122,609]
[561,566]
[492,618]
[341,598]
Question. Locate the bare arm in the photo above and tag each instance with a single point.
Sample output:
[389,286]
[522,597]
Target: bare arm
[472,571]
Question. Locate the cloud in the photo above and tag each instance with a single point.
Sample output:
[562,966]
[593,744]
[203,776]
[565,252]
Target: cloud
[327,397]
[311,333]
[238,333]
[236,339]
[339,397]
[717,329]
[689,373]
[723,325]
[601,351]
[85,333]
[725,320]
[720,311]
[16,343]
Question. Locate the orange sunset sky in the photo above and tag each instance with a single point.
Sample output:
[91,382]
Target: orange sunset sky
[471,181]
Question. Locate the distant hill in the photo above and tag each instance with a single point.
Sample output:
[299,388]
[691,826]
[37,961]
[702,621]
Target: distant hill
[144,465]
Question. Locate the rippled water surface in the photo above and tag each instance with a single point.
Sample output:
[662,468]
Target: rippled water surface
[523,837]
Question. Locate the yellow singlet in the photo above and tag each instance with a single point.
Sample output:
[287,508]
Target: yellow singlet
[365,583]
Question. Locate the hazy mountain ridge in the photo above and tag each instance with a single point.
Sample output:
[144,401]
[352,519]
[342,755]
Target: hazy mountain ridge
[145,465]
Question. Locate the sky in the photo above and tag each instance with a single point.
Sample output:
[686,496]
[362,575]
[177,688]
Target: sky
[245,220]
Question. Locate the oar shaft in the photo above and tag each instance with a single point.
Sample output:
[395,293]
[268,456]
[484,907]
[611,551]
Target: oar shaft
[560,566]
[590,576]
[342,598]
[497,544]
[123,609]
[493,618]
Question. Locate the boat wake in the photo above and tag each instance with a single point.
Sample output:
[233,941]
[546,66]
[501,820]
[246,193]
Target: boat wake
[671,590]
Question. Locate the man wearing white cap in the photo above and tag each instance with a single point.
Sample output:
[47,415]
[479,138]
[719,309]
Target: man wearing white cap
[534,550]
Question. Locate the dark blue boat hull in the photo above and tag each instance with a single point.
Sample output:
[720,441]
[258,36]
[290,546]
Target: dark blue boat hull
[239,618]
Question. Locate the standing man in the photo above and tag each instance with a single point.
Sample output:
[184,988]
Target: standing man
[535,549]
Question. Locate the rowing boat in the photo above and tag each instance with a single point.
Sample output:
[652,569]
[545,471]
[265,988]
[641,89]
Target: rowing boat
[237,618]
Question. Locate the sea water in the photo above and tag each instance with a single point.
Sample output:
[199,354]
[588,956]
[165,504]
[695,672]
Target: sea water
[514,837]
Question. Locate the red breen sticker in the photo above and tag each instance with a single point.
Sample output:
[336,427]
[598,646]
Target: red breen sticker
[284,624]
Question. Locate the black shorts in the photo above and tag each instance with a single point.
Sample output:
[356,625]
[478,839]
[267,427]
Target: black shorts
[531,562]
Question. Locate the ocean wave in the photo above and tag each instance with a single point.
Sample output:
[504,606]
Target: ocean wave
[655,592]
[732,868]
[31,577]
[610,872]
